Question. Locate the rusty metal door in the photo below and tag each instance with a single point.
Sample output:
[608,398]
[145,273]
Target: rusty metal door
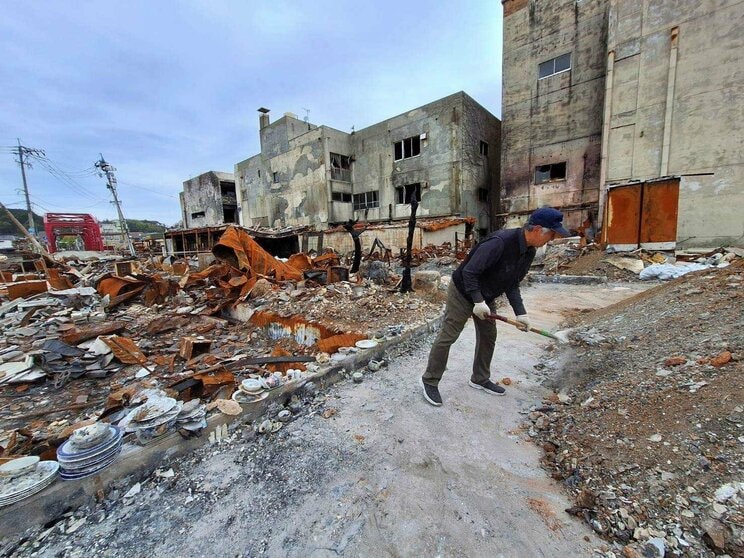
[642,215]
[659,210]
[623,217]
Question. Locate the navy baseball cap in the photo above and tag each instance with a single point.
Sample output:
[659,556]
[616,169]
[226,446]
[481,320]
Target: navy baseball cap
[549,218]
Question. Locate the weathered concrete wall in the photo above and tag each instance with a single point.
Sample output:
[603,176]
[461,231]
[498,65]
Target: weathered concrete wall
[290,182]
[288,188]
[557,118]
[699,134]
[202,194]
[394,238]
[480,171]
[449,168]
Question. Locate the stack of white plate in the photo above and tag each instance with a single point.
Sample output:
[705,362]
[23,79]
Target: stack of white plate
[83,456]
[15,489]
[153,418]
[192,416]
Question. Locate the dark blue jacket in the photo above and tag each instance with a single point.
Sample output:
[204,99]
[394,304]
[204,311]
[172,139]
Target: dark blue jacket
[495,266]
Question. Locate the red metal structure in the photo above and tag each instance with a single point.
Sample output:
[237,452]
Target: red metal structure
[73,224]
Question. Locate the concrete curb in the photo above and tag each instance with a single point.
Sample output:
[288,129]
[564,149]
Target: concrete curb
[138,462]
[567,279]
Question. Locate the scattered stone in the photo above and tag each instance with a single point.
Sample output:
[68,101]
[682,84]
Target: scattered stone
[716,534]
[726,492]
[654,438]
[721,359]
[132,492]
[358,377]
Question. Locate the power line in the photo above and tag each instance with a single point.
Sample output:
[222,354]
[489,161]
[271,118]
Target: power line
[147,189]
[22,151]
[108,170]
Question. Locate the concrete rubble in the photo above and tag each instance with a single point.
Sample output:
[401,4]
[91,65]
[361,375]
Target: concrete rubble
[576,256]
[645,426]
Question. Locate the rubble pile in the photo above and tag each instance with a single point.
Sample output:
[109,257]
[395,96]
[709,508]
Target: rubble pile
[572,256]
[153,346]
[646,430]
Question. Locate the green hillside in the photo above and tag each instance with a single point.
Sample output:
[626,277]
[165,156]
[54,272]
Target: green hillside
[7,226]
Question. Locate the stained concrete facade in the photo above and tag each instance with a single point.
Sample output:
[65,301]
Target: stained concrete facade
[675,107]
[209,200]
[654,89]
[316,175]
[557,118]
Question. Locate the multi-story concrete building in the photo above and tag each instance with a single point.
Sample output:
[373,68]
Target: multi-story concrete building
[209,200]
[553,85]
[446,153]
[630,112]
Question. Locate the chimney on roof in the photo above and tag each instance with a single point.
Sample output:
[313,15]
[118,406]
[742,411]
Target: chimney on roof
[263,120]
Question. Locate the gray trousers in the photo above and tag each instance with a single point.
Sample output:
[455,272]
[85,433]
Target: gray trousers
[456,314]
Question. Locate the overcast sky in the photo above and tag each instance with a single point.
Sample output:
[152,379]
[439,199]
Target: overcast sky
[167,90]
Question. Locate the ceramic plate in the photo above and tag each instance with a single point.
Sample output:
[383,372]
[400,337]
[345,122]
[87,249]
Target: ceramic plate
[69,452]
[29,484]
[366,343]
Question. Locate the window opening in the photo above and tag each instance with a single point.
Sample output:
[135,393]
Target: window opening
[483,148]
[407,148]
[550,173]
[340,167]
[555,65]
[366,200]
[341,197]
[403,193]
[276,177]
[482,194]
[197,214]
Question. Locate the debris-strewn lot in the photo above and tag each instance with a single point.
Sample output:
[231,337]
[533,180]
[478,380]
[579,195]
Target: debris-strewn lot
[646,431]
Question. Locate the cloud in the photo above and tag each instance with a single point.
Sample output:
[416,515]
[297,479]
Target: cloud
[168,90]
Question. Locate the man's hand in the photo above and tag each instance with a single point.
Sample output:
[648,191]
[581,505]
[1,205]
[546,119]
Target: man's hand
[524,322]
[481,310]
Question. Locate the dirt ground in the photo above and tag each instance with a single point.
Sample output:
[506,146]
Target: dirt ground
[361,470]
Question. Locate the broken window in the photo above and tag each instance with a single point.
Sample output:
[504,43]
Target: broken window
[482,194]
[366,200]
[197,214]
[341,197]
[403,193]
[554,66]
[483,148]
[407,148]
[550,173]
[340,167]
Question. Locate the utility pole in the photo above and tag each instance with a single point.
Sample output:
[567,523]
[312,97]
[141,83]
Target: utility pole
[108,170]
[22,151]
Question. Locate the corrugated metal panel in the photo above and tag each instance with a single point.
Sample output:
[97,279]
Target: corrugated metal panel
[623,218]
[659,215]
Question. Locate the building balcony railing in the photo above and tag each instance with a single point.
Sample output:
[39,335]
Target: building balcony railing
[341,174]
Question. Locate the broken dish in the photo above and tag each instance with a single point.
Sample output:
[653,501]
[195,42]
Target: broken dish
[366,343]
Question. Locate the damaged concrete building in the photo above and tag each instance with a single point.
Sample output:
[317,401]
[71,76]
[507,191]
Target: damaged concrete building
[626,113]
[209,200]
[446,153]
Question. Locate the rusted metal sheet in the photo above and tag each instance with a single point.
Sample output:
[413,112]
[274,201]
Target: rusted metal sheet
[659,211]
[242,252]
[125,350]
[623,218]
[642,215]
[23,289]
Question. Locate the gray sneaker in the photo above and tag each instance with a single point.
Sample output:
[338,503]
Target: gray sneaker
[431,394]
[488,387]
